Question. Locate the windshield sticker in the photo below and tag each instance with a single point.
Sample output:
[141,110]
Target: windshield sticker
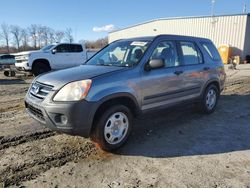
[138,43]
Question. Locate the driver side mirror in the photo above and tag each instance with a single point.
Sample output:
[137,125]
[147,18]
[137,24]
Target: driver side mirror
[54,51]
[154,64]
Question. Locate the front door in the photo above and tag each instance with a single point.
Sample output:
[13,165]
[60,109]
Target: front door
[62,58]
[163,86]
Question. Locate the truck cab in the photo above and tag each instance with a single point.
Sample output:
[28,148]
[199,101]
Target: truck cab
[51,57]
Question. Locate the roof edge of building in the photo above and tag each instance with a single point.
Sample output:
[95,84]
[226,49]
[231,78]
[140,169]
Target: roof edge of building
[179,18]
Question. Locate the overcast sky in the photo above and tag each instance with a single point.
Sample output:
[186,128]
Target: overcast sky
[92,19]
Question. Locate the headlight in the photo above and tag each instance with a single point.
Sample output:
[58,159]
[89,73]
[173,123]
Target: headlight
[74,91]
[26,57]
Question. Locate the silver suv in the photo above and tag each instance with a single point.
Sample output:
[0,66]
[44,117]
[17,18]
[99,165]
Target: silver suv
[100,98]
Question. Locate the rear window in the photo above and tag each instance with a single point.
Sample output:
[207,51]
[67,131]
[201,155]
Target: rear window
[211,50]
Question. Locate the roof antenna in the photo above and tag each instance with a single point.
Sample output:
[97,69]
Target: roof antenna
[245,9]
[212,7]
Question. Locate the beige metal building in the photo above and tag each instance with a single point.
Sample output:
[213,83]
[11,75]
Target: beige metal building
[233,30]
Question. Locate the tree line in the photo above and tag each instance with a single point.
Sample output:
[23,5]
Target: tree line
[97,44]
[15,38]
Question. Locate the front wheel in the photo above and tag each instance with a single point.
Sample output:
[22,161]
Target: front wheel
[209,100]
[40,68]
[113,128]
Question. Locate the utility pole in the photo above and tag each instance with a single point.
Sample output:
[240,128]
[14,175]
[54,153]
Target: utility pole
[245,9]
[212,7]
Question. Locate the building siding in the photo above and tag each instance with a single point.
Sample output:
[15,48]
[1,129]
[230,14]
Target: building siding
[221,30]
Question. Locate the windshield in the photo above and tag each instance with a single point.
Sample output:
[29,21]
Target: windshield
[47,48]
[120,53]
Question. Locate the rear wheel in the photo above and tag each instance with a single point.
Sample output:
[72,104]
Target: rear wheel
[209,100]
[40,68]
[113,128]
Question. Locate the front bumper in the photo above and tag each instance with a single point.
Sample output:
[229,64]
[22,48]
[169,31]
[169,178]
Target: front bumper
[79,115]
[23,65]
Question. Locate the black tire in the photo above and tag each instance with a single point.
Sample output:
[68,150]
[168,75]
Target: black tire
[203,106]
[98,135]
[40,68]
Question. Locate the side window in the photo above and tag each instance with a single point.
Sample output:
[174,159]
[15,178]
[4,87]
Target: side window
[191,55]
[71,48]
[166,50]
[79,48]
[74,48]
[62,48]
[211,50]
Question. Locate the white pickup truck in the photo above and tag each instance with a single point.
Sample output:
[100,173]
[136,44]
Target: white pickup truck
[52,57]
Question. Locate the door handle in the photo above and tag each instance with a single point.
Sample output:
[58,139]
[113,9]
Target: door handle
[178,72]
[206,68]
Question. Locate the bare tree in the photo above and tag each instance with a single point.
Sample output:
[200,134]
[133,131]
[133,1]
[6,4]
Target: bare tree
[5,34]
[59,35]
[68,35]
[40,36]
[34,34]
[24,38]
[45,34]
[100,43]
[51,36]
[17,33]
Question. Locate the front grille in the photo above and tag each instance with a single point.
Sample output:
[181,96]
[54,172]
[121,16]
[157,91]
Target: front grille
[40,90]
[19,61]
[35,111]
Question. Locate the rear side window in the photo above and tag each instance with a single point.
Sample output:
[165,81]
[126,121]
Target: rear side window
[75,48]
[191,54]
[211,50]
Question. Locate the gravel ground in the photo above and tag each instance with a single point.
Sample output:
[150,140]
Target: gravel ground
[171,148]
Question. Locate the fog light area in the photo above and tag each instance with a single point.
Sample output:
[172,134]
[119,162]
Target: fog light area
[61,119]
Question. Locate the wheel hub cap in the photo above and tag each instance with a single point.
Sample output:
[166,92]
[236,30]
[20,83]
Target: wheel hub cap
[116,128]
[211,99]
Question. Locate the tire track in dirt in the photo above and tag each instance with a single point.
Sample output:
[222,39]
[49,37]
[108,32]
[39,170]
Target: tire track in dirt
[12,101]
[12,115]
[12,107]
[14,91]
[6,142]
[235,86]
[14,175]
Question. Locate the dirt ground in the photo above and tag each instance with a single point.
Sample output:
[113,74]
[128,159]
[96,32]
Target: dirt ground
[170,148]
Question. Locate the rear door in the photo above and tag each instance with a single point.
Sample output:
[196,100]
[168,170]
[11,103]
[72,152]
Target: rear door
[193,74]
[163,86]
[77,54]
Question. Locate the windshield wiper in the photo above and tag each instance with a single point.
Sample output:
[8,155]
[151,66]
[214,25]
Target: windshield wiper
[111,65]
[104,64]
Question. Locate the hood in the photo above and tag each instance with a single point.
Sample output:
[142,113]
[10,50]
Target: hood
[62,77]
[23,53]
